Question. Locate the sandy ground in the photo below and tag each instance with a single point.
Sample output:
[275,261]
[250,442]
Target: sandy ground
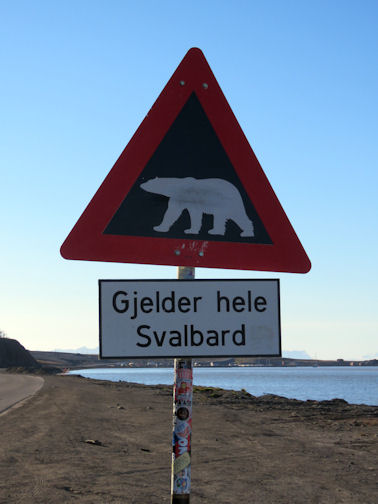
[15,388]
[244,449]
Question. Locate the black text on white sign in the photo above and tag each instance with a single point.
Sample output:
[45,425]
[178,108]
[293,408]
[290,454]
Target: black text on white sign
[189,318]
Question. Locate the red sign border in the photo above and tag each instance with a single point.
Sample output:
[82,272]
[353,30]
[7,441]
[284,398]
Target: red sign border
[86,241]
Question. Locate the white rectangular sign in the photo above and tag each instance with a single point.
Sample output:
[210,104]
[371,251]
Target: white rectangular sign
[189,318]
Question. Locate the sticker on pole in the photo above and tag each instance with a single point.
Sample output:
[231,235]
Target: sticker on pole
[193,318]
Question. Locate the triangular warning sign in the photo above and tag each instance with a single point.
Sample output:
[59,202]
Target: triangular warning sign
[188,190]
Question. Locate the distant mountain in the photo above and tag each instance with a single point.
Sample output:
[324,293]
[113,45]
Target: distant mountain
[81,350]
[371,356]
[295,354]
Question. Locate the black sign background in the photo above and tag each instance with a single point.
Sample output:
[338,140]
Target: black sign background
[191,148]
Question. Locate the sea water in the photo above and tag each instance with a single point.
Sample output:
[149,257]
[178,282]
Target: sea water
[356,385]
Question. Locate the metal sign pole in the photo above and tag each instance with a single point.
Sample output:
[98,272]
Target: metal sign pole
[182,420]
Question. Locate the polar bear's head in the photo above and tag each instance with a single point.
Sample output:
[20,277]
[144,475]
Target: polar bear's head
[153,185]
[167,186]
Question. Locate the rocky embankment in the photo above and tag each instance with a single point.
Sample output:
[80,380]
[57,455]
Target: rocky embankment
[13,354]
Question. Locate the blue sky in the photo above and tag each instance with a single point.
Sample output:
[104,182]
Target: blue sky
[77,78]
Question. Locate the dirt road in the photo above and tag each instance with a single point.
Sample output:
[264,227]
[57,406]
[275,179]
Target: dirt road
[15,388]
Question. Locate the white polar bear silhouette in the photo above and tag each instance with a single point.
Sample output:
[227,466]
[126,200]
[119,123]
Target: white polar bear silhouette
[213,196]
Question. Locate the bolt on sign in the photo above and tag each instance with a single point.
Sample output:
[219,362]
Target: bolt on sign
[186,318]
[188,190]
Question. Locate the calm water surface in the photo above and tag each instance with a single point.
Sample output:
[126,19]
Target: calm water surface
[357,385]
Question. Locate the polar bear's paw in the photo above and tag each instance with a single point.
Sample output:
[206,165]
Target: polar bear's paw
[217,232]
[247,234]
[191,231]
[161,229]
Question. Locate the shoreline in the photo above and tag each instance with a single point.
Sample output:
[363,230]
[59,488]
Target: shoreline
[299,385]
[368,398]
